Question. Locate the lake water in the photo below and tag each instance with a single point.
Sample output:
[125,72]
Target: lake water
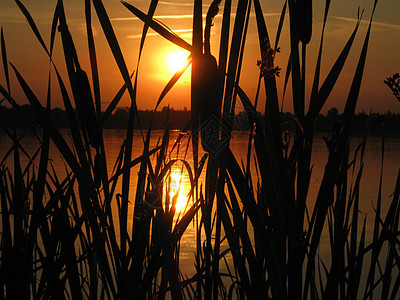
[369,183]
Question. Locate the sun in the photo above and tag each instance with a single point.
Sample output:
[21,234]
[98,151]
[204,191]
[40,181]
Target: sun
[176,60]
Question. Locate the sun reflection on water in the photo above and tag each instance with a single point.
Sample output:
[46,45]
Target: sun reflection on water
[177,189]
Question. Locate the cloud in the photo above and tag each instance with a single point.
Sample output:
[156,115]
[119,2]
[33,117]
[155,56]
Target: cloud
[187,16]
[185,33]
[176,4]
[374,23]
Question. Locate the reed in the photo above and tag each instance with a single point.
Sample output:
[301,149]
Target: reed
[72,237]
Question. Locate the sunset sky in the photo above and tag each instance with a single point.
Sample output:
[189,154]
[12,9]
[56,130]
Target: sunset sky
[26,54]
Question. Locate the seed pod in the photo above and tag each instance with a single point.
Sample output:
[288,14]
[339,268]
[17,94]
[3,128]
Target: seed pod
[86,107]
[210,106]
[304,20]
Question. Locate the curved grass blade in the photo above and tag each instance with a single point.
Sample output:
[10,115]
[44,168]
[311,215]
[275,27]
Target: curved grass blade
[279,30]
[172,81]
[150,14]
[53,29]
[134,162]
[93,59]
[330,81]
[158,27]
[224,40]
[234,55]
[5,60]
[32,25]
[248,106]
[241,53]
[20,112]
[113,104]
[356,84]
[315,86]
[180,228]
[115,48]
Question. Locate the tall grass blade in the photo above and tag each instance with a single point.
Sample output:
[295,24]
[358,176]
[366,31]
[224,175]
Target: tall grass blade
[375,237]
[330,81]
[20,112]
[197,43]
[244,236]
[114,46]
[133,163]
[298,96]
[32,25]
[158,27]
[172,81]
[356,84]
[224,41]
[93,59]
[80,90]
[6,241]
[113,104]
[234,245]
[53,30]
[271,114]
[315,86]
[150,14]
[73,125]
[5,60]
[332,167]
[259,225]
[168,259]
[180,228]
[238,30]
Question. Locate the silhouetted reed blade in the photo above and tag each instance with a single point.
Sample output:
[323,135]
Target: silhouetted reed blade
[85,233]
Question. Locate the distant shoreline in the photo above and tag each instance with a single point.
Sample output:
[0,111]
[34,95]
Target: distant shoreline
[180,119]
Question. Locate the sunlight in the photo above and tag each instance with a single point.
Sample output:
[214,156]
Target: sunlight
[175,186]
[176,60]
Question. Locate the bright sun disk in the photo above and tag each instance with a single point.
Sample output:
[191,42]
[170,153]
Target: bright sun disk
[176,60]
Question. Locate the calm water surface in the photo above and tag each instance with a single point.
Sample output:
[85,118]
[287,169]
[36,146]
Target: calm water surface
[369,182]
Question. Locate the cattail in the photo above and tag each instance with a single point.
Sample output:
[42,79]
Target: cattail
[209,88]
[304,20]
[210,106]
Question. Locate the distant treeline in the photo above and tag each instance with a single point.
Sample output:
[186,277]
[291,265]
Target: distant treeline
[179,119]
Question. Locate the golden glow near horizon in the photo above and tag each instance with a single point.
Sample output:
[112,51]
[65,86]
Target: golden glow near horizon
[176,60]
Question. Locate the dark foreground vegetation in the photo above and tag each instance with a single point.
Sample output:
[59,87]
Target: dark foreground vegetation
[90,235]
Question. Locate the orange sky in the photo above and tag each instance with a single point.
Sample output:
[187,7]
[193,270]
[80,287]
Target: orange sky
[26,54]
